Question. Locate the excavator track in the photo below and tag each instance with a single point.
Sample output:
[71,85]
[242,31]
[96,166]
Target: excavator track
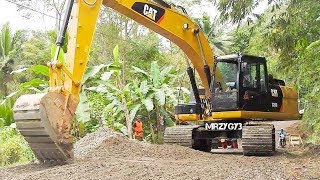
[32,122]
[258,140]
[180,135]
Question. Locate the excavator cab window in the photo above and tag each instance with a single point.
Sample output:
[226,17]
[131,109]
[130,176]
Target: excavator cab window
[226,99]
[246,83]
[229,72]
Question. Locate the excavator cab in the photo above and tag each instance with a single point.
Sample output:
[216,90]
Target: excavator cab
[244,91]
[246,80]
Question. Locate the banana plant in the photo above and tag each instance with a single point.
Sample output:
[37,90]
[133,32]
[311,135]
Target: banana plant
[6,114]
[152,91]
[156,92]
[121,109]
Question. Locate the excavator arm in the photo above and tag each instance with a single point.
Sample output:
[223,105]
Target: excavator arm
[45,119]
[167,22]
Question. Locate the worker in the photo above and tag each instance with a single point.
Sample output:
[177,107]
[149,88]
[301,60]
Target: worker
[282,137]
[137,128]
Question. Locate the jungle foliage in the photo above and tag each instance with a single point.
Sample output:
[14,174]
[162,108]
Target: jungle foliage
[288,34]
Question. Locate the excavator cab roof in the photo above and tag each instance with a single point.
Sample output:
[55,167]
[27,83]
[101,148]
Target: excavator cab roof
[234,58]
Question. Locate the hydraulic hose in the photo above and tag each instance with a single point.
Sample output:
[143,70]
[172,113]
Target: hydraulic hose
[63,30]
[207,72]
[194,85]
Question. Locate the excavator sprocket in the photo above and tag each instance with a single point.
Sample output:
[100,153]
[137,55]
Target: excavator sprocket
[258,140]
[45,120]
[180,135]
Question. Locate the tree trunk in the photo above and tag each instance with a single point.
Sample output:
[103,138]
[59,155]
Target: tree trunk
[127,115]
[151,130]
[125,108]
[3,86]
[160,126]
[123,81]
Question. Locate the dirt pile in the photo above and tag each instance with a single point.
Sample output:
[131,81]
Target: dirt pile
[92,141]
[108,143]
[296,129]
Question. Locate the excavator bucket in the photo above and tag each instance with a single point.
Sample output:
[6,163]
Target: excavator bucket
[45,121]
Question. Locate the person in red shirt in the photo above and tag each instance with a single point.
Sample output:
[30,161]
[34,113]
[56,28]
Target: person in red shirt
[137,128]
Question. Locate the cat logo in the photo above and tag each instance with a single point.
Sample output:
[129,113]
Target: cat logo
[150,12]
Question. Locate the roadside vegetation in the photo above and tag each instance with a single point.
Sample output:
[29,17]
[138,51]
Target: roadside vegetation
[133,71]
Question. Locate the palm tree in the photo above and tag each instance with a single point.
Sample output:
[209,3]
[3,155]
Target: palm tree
[5,62]
[235,11]
[215,33]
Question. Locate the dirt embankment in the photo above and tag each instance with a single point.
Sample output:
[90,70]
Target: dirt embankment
[109,155]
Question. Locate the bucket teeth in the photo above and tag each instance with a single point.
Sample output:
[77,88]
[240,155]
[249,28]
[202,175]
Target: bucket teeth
[32,118]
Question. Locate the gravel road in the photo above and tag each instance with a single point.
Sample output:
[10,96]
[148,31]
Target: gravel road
[117,157]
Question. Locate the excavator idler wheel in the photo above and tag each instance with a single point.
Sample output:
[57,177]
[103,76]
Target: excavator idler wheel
[258,140]
[44,120]
[179,135]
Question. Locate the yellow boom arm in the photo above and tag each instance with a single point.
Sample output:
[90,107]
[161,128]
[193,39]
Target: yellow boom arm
[167,22]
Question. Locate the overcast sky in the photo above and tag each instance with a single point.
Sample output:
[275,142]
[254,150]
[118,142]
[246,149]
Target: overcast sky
[9,13]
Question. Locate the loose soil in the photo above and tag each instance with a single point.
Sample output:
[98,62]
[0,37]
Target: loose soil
[109,155]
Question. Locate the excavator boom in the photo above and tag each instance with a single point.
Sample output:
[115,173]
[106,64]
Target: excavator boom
[45,120]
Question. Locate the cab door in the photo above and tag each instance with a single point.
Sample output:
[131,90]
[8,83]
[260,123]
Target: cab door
[253,86]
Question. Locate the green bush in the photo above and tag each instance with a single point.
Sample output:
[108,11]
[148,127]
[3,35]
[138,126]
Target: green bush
[311,118]
[6,114]
[13,148]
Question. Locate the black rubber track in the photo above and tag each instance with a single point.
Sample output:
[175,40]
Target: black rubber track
[180,135]
[258,140]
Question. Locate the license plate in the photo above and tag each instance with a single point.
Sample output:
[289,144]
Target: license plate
[223,126]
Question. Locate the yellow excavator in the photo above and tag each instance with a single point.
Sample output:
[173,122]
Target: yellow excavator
[45,119]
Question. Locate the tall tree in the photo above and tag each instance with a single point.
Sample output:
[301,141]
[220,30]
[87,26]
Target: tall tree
[5,61]
[237,11]
[288,36]
[215,33]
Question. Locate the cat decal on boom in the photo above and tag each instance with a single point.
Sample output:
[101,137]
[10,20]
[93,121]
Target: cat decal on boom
[154,13]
